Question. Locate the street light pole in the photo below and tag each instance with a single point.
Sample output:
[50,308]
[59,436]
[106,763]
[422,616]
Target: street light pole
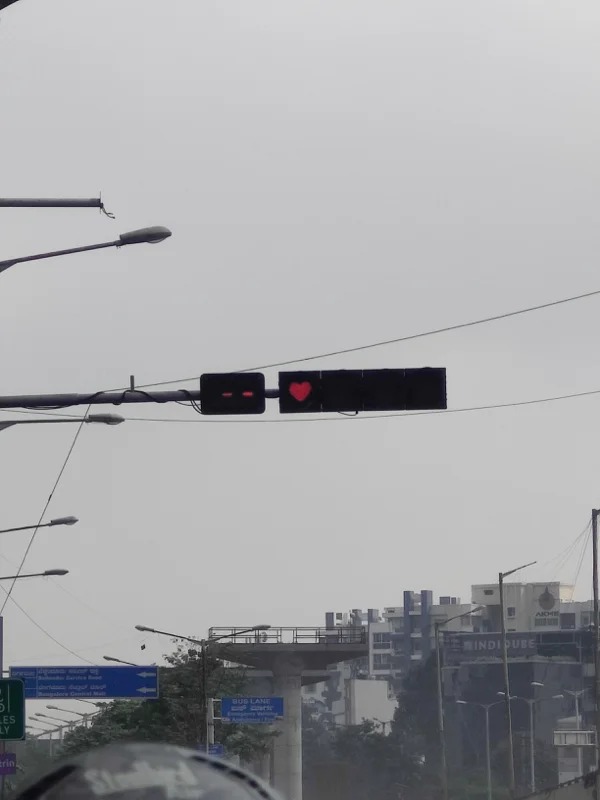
[576,695]
[46,574]
[440,700]
[531,701]
[207,702]
[120,661]
[511,750]
[51,524]
[595,513]
[104,419]
[152,235]
[54,202]
[488,758]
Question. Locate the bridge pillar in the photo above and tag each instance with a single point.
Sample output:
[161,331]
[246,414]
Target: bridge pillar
[287,745]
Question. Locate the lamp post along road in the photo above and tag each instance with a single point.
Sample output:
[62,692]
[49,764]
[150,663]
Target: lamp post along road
[208,702]
[440,700]
[488,759]
[51,524]
[511,747]
[104,419]
[153,235]
[576,696]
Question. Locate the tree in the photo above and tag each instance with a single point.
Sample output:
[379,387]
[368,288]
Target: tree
[178,716]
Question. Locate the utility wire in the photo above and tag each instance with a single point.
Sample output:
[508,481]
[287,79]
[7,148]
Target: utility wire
[45,632]
[397,340]
[48,501]
[581,558]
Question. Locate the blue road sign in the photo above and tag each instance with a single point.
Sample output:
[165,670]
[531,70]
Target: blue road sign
[95,683]
[249,710]
[216,749]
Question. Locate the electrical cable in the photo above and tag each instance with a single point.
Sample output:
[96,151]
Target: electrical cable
[581,558]
[564,555]
[45,632]
[397,340]
[48,501]
[343,418]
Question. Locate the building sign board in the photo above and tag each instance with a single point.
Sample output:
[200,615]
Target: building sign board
[465,647]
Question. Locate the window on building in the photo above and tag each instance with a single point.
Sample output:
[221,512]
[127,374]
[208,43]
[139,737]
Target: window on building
[416,645]
[488,592]
[542,622]
[466,621]
[382,661]
[586,619]
[567,622]
[382,641]
[511,611]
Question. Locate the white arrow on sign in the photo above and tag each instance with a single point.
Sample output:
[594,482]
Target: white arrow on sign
[145,674]
[146,690]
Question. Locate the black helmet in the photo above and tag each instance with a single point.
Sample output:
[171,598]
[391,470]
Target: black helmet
[145,771]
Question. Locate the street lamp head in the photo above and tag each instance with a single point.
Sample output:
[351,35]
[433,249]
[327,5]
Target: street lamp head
[557,696]
[64,521]
[536,683]
[462,702]
[53,708]
[144,628]
[105,419]
[261,628]
[152,235]
[50,572]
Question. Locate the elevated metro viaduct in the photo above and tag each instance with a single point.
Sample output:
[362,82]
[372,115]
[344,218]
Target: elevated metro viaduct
[293,657]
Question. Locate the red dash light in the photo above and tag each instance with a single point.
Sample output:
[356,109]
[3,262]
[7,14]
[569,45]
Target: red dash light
[232,393]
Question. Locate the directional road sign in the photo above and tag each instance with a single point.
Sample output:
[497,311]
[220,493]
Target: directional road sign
[216,749]
[95,683]
[12,710]
[250,710]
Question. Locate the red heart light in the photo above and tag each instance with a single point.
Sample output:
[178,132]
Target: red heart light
[300,391]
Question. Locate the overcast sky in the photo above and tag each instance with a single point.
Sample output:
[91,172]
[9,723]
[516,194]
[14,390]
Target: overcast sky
[334,173]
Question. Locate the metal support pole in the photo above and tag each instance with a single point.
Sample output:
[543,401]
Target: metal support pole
[596,643]
[531,704]
[488,758]
[578,727]
[511,752]
[440,702]
[205,698]
[210,723]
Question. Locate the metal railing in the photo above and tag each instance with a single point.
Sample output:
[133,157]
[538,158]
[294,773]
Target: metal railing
[323,636]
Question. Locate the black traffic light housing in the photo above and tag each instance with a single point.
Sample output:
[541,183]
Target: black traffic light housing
[362,390]
[232,393]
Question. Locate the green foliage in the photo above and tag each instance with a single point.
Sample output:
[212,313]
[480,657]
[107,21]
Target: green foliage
[178,717]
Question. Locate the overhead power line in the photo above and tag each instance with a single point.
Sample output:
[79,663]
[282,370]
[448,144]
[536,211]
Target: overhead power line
[397,340]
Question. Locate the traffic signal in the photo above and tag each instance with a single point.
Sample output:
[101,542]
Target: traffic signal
[362,390]
[232,393]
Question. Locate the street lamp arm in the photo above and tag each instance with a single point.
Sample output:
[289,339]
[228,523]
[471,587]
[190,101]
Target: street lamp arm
[152,235]
[4,265]
[516,569]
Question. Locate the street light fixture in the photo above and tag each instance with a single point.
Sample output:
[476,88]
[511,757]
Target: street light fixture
[577,695]
[103,419]
[511,747]
[152,235]
[120,661]
[204,645]
[438,662]
[64,711]
[488,761]
[51,524]
[46,574]
[58,719]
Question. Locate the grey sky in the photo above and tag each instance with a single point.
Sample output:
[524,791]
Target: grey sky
[334,173]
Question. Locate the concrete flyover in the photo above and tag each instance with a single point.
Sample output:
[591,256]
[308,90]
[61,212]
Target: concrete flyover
[291,657]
